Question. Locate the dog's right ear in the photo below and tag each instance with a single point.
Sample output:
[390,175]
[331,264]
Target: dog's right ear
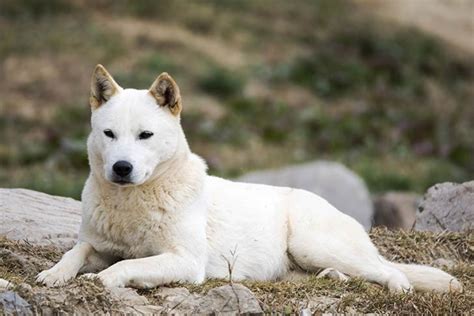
[103,87]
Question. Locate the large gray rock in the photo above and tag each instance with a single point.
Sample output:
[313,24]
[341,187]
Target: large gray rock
[331,180]
[39,218]
[447,206]
[396,210]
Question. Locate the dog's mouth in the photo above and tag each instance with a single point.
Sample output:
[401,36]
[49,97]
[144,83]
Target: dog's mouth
[122,182]
[126,181]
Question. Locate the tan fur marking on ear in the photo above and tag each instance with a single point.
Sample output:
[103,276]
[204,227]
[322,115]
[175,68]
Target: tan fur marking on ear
[166,93]
[103,87]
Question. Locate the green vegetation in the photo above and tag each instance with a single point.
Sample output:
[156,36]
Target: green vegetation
[263,85]
[34,9]
[221,82]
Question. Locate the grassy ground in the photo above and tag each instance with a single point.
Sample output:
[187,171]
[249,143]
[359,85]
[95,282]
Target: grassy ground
[264,85]
[21,262]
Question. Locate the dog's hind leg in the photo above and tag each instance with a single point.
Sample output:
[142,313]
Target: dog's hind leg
[322,237]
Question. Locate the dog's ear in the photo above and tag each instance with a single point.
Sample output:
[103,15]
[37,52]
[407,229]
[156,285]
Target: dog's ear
[103,87]
[166,93]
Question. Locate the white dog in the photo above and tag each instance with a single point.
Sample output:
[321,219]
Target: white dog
[149,201]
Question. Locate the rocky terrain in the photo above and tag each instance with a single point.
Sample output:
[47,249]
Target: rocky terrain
[454,252]
[27,248]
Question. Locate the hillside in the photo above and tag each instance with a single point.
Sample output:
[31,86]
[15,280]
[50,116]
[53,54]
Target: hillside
[264,84]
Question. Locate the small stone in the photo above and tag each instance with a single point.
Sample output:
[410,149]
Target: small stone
[177,300]
[4,284]
[323,304]
[25,287]
[127,296]
[14,304]
[232,298]
[443,263]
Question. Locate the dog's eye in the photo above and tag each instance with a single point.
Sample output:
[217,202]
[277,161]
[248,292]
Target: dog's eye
[145,135]
[109,133]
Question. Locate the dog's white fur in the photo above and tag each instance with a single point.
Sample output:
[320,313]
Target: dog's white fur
[176,223]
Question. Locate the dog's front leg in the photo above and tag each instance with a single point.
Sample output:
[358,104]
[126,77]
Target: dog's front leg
[153,271]
[68,267]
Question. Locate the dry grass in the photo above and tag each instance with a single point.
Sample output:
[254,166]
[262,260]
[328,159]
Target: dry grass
[20,262]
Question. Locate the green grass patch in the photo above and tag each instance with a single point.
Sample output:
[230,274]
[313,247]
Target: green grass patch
[405,173]
[35,9]
[360,58]
[220,82]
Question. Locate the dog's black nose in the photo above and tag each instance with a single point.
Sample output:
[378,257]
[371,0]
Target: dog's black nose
[122,168]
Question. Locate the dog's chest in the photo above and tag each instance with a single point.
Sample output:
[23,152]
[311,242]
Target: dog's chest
[128,230]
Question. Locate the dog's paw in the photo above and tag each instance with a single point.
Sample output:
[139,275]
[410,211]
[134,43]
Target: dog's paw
[107,278]
[56,276]
[398,283]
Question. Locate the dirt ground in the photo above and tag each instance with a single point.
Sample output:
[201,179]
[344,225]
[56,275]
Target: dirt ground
[21,261]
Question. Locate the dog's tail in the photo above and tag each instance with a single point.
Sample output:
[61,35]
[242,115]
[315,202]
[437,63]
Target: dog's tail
[427,278]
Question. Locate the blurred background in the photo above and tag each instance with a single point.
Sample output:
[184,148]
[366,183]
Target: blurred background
[384,87]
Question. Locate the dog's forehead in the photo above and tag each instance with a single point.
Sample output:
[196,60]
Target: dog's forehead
[130,107]
[133,97]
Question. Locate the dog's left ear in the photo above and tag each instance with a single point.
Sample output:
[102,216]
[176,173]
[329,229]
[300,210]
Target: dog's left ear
[166,93]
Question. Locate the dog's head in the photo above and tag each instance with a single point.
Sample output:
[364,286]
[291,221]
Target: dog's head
[133,131]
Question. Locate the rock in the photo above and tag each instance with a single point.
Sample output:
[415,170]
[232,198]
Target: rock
[306,312]
[4,284]
[143,310]
[14,304]
[127,296]
[323,304]
[443,263]
[25,287]
[132,303]
[229,299]
[38,217]
[396,210]
[331,180]
[177,300]
[447,206]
